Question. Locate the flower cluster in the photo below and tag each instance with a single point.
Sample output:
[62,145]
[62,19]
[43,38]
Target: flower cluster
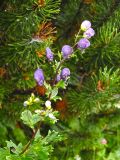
[64,75]
[66,53]
[31,100]
[88,33]
[47,114]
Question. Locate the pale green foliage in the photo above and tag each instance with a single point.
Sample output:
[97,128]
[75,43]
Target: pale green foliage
[40,149]
[53,91]
[29,118]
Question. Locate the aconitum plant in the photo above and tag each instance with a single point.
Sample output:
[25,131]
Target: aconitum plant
[38,145]
[60,74]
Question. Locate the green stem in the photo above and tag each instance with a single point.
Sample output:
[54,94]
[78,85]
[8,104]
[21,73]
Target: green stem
[57,70]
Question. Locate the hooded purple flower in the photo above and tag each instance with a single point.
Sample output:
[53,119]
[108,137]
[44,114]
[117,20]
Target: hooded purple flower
[49,54]
[66,51]
[83,43]
[89,33]
[58,77]
[85,25]
[39,77]
[65,73]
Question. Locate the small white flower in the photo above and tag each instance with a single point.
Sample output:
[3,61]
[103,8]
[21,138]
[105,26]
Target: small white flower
[51,116]
[48,104]
[25,103]
[38,111]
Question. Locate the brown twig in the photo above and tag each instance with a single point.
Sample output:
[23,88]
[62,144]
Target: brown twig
[30,141]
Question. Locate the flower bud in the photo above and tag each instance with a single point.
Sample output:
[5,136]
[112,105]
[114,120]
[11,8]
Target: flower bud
[65,73]
[85,25]
[58,78]
[49,54]
[39,77]
[67,51]
[26,103]
[89,33]
[41,112]
[83,43]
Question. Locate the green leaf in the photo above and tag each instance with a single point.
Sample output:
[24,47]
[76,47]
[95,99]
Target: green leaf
[30,119]
[36,118]
[53,137]
[27,118]
[61,84]
[13,147]
[54,93]
[3,153]
[56,98]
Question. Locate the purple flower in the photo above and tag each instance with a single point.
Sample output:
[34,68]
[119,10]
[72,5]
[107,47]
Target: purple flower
[58,77]
[89,33]
[39,77]
[83,43]
[65,73]
[49,54]
[67,51]
[85,25]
